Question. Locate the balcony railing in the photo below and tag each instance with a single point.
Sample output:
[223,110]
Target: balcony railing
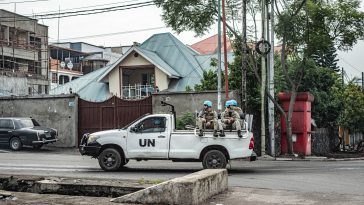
[137,91]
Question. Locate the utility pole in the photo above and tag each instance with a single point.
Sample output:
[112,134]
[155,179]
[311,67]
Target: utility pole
[225,52]
[362,81]
[58,61]
[342,75]
[264,81]
[244,54]
[271,82]
[219,58]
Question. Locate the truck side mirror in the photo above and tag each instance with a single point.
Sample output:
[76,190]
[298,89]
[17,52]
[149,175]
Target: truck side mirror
[133,129]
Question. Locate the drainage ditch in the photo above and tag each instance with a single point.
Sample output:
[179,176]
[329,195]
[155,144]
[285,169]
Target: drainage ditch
[70,186]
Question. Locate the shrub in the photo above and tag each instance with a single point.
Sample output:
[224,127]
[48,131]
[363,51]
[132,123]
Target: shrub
[186,118]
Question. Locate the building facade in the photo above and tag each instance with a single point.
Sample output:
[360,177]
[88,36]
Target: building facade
[23,55]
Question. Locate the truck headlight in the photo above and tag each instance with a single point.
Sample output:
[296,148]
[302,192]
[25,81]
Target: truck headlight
[92,138]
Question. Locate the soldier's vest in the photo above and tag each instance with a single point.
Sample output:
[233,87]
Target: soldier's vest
[209,116]
[227,115]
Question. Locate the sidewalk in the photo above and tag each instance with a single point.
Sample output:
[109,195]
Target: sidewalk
[331,157]
[234,196]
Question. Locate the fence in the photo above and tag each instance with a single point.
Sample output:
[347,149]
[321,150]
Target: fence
[137,91]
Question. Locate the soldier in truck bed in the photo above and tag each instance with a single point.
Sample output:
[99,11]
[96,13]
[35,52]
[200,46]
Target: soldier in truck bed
[230,118]
[207,118]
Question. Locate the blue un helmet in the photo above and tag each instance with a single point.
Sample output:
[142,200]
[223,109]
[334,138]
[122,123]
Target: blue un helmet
[208,103]
[234,103]
[228,103]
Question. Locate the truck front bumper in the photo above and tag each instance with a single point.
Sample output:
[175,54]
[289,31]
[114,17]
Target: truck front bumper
[92,149]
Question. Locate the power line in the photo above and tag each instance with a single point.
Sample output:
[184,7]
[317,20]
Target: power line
[20,2]
[92,10]
[112,34]
[349,64]
[52,11]
[79,13]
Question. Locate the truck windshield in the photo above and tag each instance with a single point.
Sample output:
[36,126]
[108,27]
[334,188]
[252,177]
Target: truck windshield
[126,126]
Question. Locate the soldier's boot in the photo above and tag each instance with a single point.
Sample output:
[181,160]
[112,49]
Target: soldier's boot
[222,133]
[215,133]
[239,133]
[200,133]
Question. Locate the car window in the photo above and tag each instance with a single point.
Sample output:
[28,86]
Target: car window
[6,124]
[22,123]
[153,124]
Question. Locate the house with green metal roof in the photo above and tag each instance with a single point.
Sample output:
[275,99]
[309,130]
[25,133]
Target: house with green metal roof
[161,63]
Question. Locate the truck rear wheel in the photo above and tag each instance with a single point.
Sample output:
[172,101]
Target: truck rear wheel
[110,159]
[214,159]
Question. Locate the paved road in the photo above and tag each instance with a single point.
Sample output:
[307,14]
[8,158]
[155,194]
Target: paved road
[344,177]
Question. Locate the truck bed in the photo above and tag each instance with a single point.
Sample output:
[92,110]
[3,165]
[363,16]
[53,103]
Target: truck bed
[209,133]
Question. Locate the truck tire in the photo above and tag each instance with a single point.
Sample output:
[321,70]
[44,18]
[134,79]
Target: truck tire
[110,160]
[214,159]
[15,144]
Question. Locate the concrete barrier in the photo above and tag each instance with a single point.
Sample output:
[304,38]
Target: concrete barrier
[190,189]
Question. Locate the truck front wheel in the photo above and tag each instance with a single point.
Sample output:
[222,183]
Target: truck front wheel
[214,159]
[110,159]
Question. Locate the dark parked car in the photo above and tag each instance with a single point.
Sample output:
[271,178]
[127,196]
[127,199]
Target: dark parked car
[17,132]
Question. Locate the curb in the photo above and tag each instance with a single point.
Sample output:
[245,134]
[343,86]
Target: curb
[310,159]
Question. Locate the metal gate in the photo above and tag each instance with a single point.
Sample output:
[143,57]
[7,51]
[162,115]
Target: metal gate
[110,114]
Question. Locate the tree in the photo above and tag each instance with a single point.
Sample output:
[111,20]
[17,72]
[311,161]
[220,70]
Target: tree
[340,22]
[304,27]
[352,116]
[327,58]
[208,82]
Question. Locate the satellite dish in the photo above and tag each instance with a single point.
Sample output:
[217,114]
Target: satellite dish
[63,64]
[70,65]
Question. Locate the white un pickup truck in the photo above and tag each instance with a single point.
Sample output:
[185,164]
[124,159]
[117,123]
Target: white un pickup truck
[153,137]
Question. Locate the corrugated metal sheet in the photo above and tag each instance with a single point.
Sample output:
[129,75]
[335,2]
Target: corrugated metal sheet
[157,60]
[86,87]
[178,56]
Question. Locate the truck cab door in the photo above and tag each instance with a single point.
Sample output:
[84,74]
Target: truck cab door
[148,138]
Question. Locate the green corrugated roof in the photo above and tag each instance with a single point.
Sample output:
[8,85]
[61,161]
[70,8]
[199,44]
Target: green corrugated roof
[86,87]
[178,56]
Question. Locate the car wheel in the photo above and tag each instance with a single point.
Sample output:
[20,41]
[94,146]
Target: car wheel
[214,159]
[15,144]
[37,146]
[110,159]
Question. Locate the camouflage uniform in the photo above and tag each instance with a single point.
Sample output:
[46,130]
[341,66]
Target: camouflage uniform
[230,114]
[241,114]
[211,120]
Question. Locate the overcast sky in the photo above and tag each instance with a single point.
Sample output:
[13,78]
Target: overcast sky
[134,25]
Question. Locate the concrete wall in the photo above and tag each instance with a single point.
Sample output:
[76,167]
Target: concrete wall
[188,101]
[59,112]
[15,85]
[193,189]
[18,85]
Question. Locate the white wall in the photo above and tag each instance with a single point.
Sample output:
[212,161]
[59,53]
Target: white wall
[161,79]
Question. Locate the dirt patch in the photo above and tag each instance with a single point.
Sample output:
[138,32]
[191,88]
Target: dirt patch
[70,186]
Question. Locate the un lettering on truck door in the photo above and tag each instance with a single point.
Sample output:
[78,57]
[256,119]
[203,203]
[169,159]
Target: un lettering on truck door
[149,138]
[147,142]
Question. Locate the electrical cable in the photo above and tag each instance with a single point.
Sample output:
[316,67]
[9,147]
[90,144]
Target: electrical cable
[78,13]
[20,2]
